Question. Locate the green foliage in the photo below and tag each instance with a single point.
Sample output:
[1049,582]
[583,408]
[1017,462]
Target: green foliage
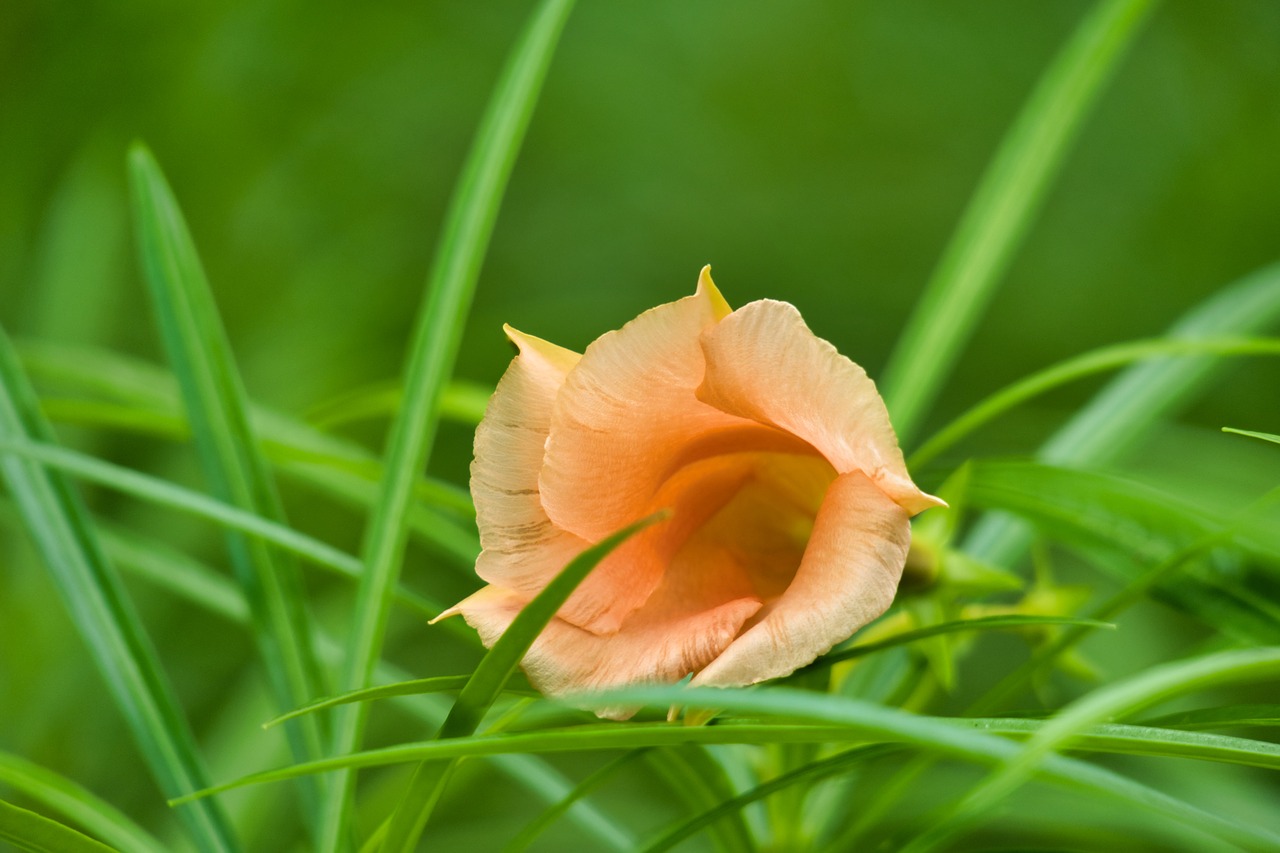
[1098,601]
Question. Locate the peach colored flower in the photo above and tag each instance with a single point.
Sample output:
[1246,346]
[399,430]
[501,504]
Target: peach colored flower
[790,497]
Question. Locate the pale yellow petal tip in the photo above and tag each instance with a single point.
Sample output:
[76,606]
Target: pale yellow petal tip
[535,347]
[719,305]
[452,611]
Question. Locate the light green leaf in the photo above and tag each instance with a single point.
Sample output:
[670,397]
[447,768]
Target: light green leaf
[27,830]
[229,451]
[60,526]
[429,363]
[1002,209]
[1265,436]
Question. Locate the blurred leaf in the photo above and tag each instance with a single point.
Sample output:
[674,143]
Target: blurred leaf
[59,524]
[1125,410]
[1141,523]
[229,451]
[429,363]
[1002,210]
[488,680]
[985,623]
[175,497]
[1088,364]
[461,401]
[1265,436]
[75,803]
[1116,700]
[589,784]
[29,831]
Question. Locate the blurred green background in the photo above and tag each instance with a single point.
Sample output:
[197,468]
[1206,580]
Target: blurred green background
[816,152]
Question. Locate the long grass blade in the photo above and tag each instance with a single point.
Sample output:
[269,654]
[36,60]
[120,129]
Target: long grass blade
[1116,700]
[1123,412]
[59,524]
[450,286]
[230,453]
[1002,210]
[1087,364]
[26,830]
[488,680]
[76,803]
[1265,436]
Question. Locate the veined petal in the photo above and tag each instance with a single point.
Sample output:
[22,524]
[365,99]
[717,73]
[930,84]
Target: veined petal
[763,363]
[522,549]
[846,578]
[627,414]
[655,645]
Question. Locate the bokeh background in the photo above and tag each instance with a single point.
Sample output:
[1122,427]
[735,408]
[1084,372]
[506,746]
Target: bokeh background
[816,152]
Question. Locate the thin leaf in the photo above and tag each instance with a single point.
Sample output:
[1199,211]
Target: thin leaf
[1116,700]
[60,526]
[985,623]
[1002,210]
[461,401]
[1265,436]
[412,687]
[1088,364]
[1230,716]
[27,830]
[1138,522]
[830,720]
[229,451]
[76,803]
[1123,412]
[488,680]
[450,286]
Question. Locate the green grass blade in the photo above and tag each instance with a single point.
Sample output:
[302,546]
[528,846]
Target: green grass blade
[589,784]
[75,803]
[1002,210]
[59,524]
[27,830]
[167,494]
[411,687]
[229,451]
[1139,523]
[450,286]
[1265,436]
[148,401]
[1123,412]
[830,719]
[461,401]
[488,680]
[1088,364]
[985,623]
[1230,716]
[1117,700]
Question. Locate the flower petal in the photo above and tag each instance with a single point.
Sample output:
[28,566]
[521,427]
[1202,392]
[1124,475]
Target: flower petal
[846,578]
[654,646]
[763,363]
[522,549]
[627,413]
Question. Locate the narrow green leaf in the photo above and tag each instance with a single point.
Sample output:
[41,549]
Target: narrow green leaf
[1142,524]
[1123,412]
[149,402]
[76,803]
[1116,700]
[1230,716]
[557,809]
[461,401]
[412,687]
[1088,364]
[488,679]
[1002,210]
[27,830]
[985,623]
[1265,436]
[450,286]
[229,451]
[59,524]
[698,782]
[829,719]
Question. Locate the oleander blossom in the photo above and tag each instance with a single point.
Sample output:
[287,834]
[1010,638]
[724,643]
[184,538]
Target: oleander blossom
[790,499]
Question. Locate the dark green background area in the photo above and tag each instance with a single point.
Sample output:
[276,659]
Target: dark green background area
[814,152]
